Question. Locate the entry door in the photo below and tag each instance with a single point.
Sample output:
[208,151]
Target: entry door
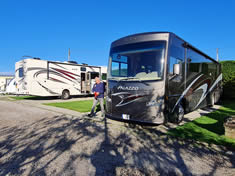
[88,82]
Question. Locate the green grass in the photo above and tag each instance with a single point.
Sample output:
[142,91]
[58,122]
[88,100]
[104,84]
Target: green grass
[80,106]
[208,128]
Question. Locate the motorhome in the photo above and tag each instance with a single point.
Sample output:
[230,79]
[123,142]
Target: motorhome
[11,87]
[156,77]
[4,80]
[49,78]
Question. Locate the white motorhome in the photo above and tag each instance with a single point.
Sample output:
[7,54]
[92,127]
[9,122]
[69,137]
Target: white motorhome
[4,80]
[50,78]
[11,87]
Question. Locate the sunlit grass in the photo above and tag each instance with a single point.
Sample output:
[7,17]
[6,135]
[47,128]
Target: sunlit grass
[208,128]
[80,106]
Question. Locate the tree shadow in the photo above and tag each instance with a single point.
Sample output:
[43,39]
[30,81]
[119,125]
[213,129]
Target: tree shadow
[76,146]
[106,157]
[172,156]
[27,145]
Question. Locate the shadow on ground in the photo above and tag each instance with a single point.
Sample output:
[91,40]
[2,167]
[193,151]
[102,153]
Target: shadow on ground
[72,146]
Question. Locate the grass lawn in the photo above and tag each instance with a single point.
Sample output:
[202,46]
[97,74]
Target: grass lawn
[80,106]
[208,128]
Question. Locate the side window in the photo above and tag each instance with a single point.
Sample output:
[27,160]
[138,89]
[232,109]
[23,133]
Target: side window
[197,63]
[21,72]
[94,74]
[104,76]
[83,68]
[194,62]
[176,55]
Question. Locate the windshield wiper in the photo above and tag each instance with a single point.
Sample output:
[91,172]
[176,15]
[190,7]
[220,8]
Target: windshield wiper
[130,78]
[116,79]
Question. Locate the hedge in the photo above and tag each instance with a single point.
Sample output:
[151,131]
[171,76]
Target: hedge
[228,70]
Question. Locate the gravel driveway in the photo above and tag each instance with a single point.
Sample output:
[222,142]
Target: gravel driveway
[36,141]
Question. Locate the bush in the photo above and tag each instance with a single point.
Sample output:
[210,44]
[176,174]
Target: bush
[228,70]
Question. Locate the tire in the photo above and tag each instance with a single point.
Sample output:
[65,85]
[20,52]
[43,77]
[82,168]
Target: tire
[65,95]
[179,114]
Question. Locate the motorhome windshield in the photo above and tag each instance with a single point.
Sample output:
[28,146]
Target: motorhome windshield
[139,61]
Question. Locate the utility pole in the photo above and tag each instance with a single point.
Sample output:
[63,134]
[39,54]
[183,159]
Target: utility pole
[217,54]
[69,55]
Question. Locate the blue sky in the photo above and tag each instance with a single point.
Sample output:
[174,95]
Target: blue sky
[46,29]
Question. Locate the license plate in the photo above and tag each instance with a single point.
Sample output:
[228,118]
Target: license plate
[126,116]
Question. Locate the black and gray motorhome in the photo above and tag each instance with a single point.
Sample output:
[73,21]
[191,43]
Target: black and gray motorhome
[155,77]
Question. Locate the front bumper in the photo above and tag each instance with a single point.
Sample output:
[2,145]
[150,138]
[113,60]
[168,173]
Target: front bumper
[140,122]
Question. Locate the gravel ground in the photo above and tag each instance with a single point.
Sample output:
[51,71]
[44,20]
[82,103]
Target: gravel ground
[37,141]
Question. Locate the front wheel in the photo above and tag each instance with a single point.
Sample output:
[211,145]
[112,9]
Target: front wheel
[178,114]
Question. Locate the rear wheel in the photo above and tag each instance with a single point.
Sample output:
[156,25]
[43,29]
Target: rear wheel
[65,95]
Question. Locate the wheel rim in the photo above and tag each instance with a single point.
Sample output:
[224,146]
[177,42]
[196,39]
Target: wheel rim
[180,113]
[65,95]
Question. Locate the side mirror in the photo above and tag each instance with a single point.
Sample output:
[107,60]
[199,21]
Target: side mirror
[177,69]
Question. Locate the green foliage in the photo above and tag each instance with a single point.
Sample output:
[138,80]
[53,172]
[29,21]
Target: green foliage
[228,70]
[209,128]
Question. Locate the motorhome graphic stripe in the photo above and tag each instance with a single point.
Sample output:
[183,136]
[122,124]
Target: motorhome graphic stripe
[50,72]
[203,87]
[48,90]
[58,65]
[216,82]
[127,98]
[219,78]
[56,80]
[185,91]
[35,68]
[63,72]
[66,72]
[39,72]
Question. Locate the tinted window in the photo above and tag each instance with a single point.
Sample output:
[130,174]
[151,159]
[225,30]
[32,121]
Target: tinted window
[83,68]
[94,74]
[21,72]
[197,63]
[139,61]
[104,76]
[177,55]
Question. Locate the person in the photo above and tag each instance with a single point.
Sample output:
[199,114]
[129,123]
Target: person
[98,90]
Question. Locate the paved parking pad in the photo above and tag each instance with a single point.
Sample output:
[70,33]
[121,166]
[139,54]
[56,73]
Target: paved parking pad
[38,141]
